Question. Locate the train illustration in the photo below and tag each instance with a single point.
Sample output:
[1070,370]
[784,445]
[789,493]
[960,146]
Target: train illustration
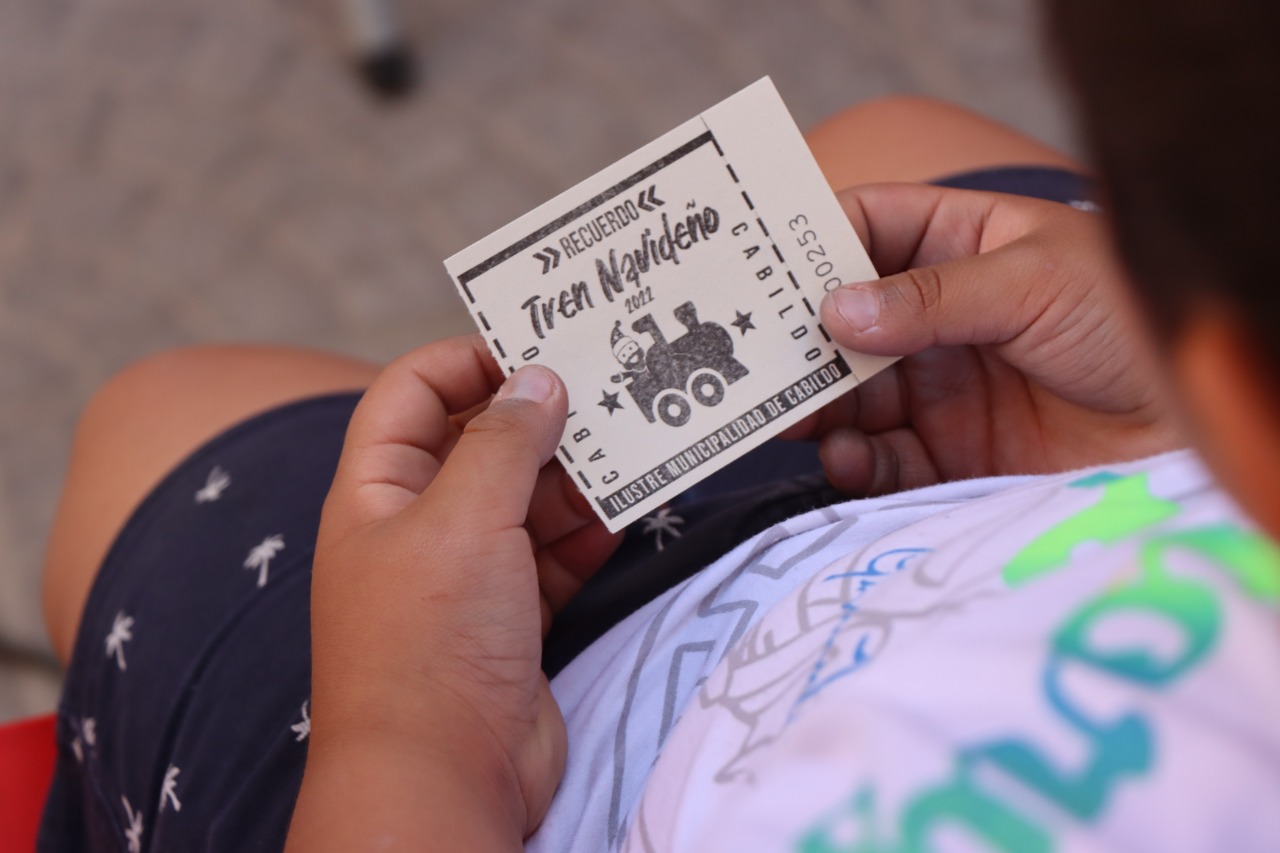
[698,365]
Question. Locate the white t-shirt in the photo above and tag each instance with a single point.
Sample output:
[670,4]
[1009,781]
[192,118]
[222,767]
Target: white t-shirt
[1085,661]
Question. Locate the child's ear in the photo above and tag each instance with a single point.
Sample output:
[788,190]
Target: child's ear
[1233,399]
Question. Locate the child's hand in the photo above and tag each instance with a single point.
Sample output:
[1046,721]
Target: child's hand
[444,547]
[1023,351]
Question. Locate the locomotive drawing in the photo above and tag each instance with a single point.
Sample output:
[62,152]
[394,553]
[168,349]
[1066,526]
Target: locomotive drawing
[661,380]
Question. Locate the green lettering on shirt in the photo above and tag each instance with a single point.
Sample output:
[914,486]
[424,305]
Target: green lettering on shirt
[961,805]
[1125,747]
[1116,750]
[1248,557]
[1126,507]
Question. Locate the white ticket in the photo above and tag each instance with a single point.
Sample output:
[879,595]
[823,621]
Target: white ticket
[676,294]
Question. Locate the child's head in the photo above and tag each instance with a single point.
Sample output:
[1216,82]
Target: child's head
[1180,105]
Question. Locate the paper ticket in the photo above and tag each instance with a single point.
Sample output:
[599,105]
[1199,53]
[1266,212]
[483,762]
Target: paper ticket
[676,294]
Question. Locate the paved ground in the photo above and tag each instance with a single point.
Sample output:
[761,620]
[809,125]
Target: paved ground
[185,171]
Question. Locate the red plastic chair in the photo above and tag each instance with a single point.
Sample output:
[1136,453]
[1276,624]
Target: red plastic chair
[27,752]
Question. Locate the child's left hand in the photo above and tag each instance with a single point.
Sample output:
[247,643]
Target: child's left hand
[447,541]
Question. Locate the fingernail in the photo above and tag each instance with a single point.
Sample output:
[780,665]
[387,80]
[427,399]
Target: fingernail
[860,308]
[532,383]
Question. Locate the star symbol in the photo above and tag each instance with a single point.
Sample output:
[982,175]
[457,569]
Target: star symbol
[743,322]
[610,402]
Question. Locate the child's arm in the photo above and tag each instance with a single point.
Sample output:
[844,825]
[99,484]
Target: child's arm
[444,546]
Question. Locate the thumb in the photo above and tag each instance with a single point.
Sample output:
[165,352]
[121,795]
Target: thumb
[486,483]
[982,299]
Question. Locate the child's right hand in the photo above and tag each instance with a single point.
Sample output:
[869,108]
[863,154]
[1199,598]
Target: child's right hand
[1023,352]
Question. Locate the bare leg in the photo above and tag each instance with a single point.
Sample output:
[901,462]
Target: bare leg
[919,139]
[141,424]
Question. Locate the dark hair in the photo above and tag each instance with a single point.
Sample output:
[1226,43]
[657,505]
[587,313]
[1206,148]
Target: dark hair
[1180,101]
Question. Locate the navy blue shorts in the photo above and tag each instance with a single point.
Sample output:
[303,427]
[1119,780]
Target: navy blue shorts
[183,724]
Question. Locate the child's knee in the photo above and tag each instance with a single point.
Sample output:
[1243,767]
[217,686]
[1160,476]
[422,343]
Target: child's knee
[150,384]
[114,459]
[890,113]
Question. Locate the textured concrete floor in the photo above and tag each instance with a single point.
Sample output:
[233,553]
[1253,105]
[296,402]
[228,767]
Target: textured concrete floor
[180,171]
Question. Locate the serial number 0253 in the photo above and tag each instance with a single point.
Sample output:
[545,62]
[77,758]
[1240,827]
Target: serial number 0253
[814,254]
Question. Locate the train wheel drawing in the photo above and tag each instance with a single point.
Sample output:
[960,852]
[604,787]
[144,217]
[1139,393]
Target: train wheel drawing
[706,388]
[666,376]
[674,409]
